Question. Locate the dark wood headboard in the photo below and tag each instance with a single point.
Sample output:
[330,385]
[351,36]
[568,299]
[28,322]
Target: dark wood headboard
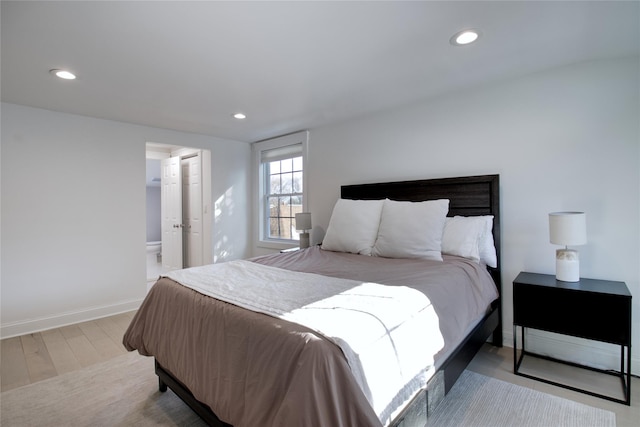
[468,196]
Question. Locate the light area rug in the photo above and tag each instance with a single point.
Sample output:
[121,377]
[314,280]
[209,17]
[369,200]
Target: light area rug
[124,392]
[480,401]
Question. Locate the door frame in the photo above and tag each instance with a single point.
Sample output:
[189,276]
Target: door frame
[161,151]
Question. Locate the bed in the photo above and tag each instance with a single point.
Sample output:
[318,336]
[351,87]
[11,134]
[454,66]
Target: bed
[295,357]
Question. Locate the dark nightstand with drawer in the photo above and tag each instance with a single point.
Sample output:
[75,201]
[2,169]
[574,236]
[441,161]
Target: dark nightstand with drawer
[598,310]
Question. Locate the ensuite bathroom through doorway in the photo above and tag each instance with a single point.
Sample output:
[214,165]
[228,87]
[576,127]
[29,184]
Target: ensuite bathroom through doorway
[178,208]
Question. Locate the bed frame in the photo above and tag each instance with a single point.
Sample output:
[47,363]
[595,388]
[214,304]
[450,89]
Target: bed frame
[468,196]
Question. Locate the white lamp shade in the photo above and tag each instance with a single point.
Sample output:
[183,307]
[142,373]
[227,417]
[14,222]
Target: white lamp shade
[303,221]
[568,228]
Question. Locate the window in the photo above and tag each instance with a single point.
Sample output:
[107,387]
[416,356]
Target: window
[281,187]
[285,197]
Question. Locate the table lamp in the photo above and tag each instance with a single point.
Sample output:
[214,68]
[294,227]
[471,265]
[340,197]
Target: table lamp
[567,229]
[303,223]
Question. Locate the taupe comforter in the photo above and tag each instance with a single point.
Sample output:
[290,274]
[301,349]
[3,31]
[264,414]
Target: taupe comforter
[258,370]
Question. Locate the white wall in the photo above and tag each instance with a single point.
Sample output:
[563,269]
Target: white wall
[73,214]
[565,139]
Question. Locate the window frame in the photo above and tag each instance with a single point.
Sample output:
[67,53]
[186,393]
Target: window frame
[260,189]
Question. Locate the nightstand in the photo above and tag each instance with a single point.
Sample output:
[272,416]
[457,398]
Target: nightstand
[597,310]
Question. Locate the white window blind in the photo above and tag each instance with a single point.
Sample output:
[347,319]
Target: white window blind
[281,153]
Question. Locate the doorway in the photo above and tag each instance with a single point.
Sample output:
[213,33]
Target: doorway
[178,208]
[154,229]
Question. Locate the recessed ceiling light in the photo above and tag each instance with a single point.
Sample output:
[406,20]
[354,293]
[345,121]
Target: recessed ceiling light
[464,37]
[63,74]
[239,116]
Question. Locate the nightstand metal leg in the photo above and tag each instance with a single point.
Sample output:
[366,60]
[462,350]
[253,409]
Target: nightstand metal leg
[625,376]
[515,349]
[517,360]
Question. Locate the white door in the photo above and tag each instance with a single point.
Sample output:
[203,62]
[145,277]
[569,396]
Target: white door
[192,210]
[171,213]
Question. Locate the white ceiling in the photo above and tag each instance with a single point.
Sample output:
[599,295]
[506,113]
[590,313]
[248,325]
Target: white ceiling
[289,66]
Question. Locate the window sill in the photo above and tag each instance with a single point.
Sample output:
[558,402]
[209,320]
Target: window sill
[279,245]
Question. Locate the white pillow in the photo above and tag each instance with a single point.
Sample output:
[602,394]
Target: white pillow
[470,237]
[353,226]
[411,229]
[487,245]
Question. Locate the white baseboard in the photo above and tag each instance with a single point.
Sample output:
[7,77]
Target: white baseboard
[585,352]
[30,326]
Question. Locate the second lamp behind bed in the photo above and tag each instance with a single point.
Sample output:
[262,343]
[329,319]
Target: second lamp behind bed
[303,223]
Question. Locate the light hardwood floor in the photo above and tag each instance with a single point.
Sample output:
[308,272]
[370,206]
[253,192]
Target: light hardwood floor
[35,357]
[38,356]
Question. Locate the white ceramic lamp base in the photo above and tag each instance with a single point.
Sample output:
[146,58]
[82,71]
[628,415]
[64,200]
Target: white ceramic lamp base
[567,265]
[304,240]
